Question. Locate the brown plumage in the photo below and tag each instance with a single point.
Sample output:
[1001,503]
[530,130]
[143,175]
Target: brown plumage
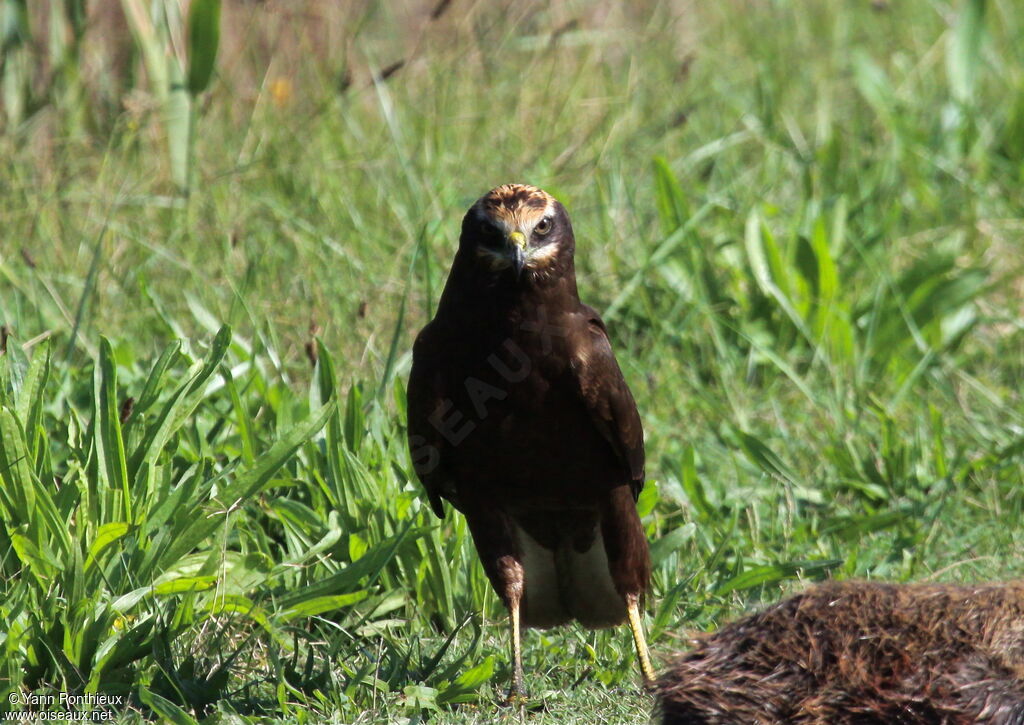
[520,417]
[860,653]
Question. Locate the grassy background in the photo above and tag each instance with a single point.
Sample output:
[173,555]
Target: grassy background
[802,222]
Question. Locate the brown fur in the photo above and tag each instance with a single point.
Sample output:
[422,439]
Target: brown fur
[859,653]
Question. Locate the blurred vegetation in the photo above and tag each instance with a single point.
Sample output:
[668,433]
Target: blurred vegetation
[802,222]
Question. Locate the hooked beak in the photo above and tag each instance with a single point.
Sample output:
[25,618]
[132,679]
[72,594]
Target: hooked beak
[517,242]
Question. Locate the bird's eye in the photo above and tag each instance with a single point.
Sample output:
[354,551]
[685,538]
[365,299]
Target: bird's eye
[543,226]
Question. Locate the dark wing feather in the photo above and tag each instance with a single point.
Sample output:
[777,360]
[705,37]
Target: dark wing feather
[424,394]
[608,399]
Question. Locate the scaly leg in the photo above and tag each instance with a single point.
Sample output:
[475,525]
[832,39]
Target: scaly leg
[499,553]
[637,628]
[630,565]
[516,693]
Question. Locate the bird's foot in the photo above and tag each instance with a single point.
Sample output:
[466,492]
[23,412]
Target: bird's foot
[516,697]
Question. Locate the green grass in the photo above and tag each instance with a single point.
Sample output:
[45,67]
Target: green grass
[802,222]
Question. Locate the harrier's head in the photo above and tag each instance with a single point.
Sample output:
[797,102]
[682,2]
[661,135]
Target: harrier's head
[520,228]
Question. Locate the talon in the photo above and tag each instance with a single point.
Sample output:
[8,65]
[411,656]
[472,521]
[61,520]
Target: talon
[515,699]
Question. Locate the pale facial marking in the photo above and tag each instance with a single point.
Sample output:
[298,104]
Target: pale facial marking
[521,217]
[511,208]
[540,256]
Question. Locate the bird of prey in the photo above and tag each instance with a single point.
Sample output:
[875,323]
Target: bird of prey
[519,416]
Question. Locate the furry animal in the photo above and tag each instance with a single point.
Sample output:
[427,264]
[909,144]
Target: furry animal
[859,653]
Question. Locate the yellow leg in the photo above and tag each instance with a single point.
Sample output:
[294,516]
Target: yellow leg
[637,628]
[516,693]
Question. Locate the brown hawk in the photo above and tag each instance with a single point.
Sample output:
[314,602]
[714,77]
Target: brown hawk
[519,416]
